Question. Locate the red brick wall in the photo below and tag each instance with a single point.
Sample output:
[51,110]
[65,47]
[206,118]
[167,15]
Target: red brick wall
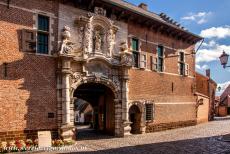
[28,93]
[202,84]
[171,59]
[172,94]
[222,110]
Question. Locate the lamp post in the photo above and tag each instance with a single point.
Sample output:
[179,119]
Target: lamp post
[224,59]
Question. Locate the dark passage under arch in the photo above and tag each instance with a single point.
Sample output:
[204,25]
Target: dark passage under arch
[101,99]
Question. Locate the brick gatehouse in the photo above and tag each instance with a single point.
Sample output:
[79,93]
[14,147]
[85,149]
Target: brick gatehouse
[135,68]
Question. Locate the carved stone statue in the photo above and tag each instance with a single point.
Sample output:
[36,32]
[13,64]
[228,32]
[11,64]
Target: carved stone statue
[97,41]
[67,45]
[99,11]
[123,47]
[126,56]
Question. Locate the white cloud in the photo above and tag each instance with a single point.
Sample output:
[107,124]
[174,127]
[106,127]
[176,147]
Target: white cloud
[204,67]
[216,32]
[199,18]
[223,86]
[211,51]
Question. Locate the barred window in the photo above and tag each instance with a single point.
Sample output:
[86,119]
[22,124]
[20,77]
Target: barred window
[148,112]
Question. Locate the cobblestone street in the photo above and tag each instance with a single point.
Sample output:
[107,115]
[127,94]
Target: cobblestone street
[203,138]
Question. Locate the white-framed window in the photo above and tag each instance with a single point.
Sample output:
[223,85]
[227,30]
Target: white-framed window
[37,40]
[43,31]
[160,58]
[183,66]
[136,53]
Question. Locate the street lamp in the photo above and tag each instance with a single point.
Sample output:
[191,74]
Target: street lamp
[224,59]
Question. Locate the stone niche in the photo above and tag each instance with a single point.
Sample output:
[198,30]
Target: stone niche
[97,34]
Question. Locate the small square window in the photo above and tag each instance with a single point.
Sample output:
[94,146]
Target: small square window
[50,115]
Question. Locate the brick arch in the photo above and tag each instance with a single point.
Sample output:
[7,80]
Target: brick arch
[113,87]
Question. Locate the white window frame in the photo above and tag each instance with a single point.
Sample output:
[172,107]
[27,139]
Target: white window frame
[35,26]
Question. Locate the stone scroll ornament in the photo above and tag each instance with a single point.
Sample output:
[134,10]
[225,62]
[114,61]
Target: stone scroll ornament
[126,56]
[67,45]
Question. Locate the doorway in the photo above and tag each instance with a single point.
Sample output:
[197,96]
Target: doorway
[97,100]
[135,118]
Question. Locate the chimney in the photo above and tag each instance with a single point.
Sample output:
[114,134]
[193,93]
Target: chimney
[143,6]
[208,73]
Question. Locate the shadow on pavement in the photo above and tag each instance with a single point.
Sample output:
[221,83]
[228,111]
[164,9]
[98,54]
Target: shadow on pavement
[210,145]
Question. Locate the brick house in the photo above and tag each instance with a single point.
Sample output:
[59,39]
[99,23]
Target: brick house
[224,103]
[206,97]
[135,68]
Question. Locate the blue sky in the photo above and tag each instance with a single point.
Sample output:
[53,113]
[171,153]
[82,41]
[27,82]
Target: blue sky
[208,18]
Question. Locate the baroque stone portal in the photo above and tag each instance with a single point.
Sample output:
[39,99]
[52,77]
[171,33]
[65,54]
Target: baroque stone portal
[99,64]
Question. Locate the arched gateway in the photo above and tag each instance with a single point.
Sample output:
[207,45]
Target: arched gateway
[101,98]
[94,69]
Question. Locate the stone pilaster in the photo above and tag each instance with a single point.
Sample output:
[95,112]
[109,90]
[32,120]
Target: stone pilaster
[125,106]
[67,128]
[118,118]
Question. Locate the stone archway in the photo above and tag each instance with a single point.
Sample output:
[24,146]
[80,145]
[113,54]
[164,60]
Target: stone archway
[101,98]
[102,89]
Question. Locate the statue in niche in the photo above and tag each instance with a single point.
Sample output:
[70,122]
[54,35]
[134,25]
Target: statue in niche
[97,41]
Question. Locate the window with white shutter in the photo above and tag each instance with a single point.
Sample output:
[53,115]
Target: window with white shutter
[186,70]
[143,61]
[183,67]
[153,61]
[37,41]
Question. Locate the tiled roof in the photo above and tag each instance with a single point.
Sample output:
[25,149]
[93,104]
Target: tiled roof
[160,18]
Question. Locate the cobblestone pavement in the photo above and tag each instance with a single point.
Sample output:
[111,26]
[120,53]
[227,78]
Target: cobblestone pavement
[200,139]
